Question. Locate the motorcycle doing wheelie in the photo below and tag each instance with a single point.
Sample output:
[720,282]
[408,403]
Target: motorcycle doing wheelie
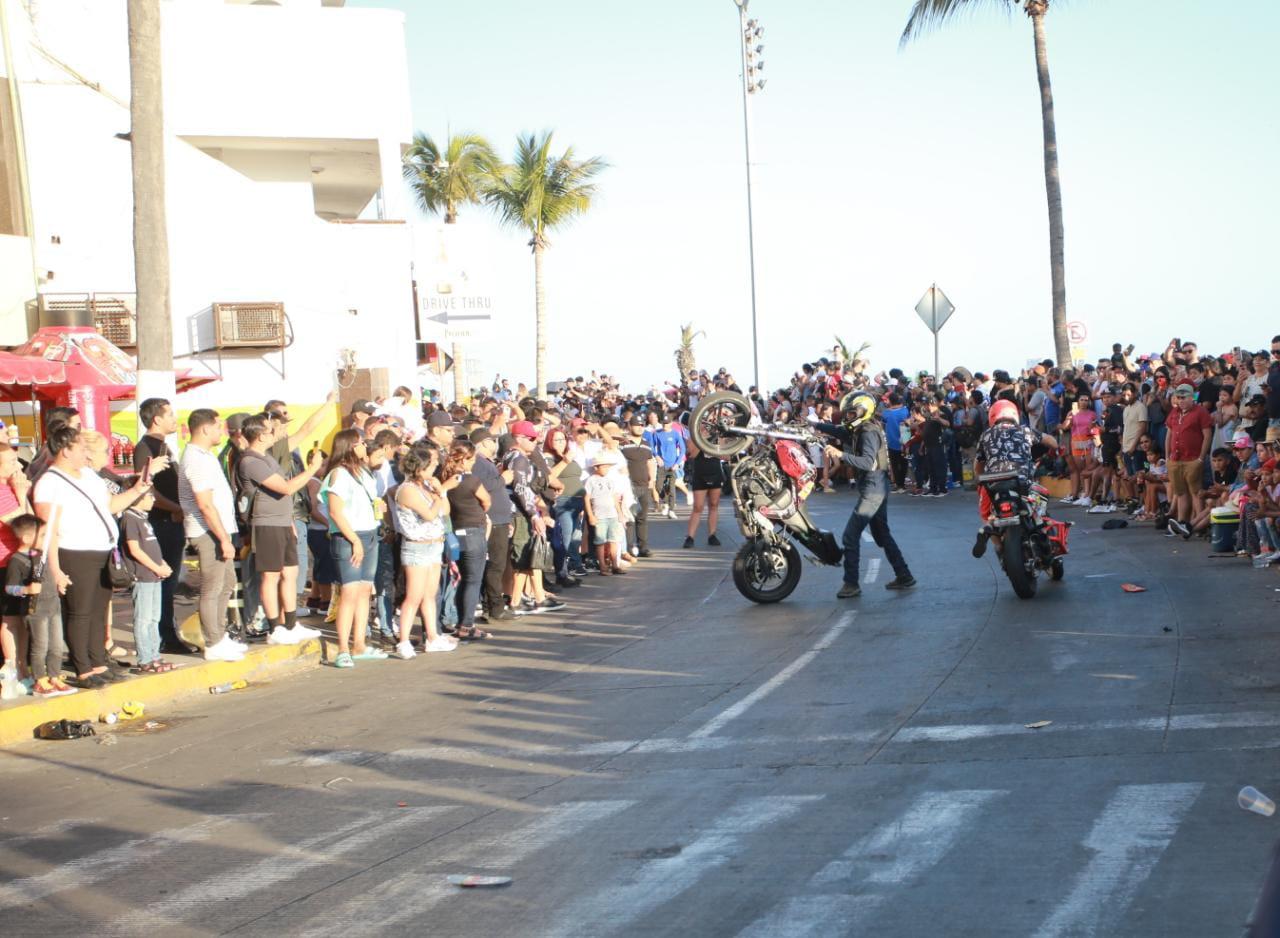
[770,476]
[1027,539]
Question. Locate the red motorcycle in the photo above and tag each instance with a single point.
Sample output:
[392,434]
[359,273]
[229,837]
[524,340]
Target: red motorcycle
[771,475]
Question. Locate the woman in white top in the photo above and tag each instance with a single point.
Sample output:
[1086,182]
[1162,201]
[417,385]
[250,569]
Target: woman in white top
[421,505]
[84,534]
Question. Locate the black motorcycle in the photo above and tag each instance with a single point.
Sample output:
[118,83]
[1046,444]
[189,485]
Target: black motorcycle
[1029,541]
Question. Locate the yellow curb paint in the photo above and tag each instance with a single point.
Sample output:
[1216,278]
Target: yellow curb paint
[19,718]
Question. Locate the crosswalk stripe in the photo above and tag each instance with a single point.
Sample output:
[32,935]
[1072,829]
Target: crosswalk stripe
[87,870]
[282,866]
[661,880]
[718,722]
[916,841]
[873,571]
[1128,840]
[406,897]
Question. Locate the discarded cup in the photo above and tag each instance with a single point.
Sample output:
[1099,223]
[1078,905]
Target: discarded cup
[1253,800]
[228,687]
[109,717]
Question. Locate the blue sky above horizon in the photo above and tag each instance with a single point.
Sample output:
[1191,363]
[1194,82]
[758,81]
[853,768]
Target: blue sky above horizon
[878,172]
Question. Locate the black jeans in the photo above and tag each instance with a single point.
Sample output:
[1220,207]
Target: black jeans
[496,569]
[937,457]
[898,466]
[172,542]
[471,567]
[85,607]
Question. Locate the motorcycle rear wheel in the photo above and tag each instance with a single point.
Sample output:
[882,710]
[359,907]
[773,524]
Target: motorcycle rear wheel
[1013,558]
[1058,570]
[766,573]
[724,408]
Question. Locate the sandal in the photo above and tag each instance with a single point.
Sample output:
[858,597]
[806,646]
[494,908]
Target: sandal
[471,633]
[117,651]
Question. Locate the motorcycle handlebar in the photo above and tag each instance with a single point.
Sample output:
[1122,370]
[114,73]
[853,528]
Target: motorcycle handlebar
[771,433]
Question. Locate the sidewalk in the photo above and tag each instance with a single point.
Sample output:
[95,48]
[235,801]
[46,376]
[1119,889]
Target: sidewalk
[19,717]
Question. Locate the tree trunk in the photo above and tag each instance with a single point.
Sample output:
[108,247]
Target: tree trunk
[1053,192]
[540,313]
[150,231]
[459,374]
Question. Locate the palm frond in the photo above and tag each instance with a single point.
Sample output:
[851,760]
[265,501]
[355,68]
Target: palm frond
[443,181]
[930,14]
[538,192]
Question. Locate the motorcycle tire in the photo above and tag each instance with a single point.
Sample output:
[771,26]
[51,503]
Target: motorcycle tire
[1013,558]
[749,578]
[723,407]
[1057,570]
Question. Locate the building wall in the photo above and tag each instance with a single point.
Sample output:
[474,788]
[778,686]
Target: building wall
[243,229]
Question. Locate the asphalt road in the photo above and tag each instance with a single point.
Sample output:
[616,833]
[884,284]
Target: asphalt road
[667,759]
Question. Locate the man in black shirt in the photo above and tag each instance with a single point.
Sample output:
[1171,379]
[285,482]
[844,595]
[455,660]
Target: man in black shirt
[501,515]
[937,418]
[158,416]
[642,470]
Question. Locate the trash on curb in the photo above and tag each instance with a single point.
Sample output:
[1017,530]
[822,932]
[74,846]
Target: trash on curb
[109,740]
[228,687]
[333,781]
[132,709]
[65,729]
[1253,800]
[471,882]
[1037,726]
[1133,588]
[109,717]
[154,725]
[402,804]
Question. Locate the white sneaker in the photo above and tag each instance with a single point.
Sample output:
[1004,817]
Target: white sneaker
[223,650]
[1084,502]
[302,632]
[1069,500]
[440,643]
[282,636]
[1097,510]
[243,646]
[404,650]
[622,564]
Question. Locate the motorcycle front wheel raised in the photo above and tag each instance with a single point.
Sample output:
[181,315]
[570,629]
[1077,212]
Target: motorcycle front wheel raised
[710,419]
[1013,557]
[766,573]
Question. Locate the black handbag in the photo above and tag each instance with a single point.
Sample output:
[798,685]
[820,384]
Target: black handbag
[541,555]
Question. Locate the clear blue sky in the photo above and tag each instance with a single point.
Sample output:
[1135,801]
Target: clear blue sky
[879,171]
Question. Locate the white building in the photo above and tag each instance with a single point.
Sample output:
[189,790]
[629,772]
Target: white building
[285,123]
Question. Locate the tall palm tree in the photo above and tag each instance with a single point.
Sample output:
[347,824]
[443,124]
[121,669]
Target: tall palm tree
[930,13]
[442,182]
[539,192]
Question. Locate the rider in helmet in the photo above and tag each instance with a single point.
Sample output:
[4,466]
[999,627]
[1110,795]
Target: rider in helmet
[1005,446]
[863,447]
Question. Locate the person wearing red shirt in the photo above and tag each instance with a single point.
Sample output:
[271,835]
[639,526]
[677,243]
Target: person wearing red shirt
[1188,435]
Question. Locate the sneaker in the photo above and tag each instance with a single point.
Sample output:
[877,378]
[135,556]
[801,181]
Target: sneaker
[526,608]
[980,545]
[63,687]
[713,541]
[282,636]
[370,654]
[1179,528]
[499,615]
[44,688]
[404,651]
[901,583]
[223,650]
[644,553]
[440,643]
[551,604]
[1069,500]
[343,661]
[1098,510]
[849,591]
[1084,502]
[688,543]
[302,633]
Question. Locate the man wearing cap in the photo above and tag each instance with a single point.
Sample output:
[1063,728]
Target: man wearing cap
[1188,436]
[529,523]
[669,453]
[440,430]
[501,515]
[642,472]
[361,411]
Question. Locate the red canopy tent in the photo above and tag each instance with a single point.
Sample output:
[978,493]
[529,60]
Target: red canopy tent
[74,366]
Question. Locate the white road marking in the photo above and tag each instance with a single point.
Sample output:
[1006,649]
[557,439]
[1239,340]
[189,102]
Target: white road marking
[280,865]
[1185,721]
[406,897]
[873,571]
[866,537]
[658,881]
[718,722]
[87,870]
[1128,840]
[841,895]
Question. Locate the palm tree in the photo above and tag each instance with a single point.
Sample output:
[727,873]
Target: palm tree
[685,362]
[441,183]
[929,13]
[538,193]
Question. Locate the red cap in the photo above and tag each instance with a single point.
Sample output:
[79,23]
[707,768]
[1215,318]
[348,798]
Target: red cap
[525,429]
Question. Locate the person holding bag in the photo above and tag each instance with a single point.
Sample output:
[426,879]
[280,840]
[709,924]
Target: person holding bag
[83,554]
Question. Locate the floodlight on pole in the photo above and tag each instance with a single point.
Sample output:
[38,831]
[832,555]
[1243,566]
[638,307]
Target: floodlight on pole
[749,31]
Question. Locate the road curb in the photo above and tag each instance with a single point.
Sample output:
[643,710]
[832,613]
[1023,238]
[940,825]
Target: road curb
[19,719]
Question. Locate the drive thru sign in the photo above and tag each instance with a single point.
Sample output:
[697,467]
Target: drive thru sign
[935,309]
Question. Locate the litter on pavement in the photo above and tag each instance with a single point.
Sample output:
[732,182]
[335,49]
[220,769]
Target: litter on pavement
[1133,588]
[1036,726]
[1253,800]
[471,882]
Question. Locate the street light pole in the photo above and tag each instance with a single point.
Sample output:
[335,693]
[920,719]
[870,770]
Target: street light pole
[748,32]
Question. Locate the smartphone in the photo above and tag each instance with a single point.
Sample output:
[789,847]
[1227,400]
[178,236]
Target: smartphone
[146,472]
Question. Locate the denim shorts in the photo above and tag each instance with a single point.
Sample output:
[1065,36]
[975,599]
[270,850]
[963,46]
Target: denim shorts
[607,530]
[420,553]
[324,571]
[367,572]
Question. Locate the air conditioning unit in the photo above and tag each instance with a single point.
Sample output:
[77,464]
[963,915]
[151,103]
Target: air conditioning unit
[248,325]
[116,319]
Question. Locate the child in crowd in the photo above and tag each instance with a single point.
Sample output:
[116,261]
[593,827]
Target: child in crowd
[604,512]
[40,608]
[146,563]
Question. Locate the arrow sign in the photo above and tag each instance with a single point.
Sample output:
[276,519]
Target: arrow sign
[445,318]
[934,309]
